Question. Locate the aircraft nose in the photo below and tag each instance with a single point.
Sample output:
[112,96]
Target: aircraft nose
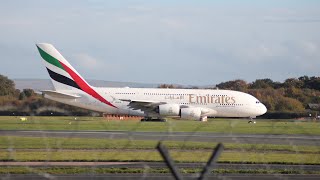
[263,109]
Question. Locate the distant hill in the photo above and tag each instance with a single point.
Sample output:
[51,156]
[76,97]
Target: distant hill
[36,84]
[41,84]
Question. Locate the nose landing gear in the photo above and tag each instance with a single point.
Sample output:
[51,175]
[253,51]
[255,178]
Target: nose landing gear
[251,120]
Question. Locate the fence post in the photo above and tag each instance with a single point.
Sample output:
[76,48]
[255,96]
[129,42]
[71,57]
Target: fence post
[214,157]
[168,160]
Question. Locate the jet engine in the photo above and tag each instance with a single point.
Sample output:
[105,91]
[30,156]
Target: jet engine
[191,113]
[169,110]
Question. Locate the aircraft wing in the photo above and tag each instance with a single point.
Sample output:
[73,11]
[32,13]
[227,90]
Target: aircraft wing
[143,105]
[146,105]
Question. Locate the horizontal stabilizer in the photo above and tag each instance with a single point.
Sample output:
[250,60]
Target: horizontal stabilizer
[57,94]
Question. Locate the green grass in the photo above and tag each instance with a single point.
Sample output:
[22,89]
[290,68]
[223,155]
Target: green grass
[14,148]
[213,125]
[16,142]
[154,156]
[83,170]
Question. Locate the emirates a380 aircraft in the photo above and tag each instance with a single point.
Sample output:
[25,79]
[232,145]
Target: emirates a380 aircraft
[196,104]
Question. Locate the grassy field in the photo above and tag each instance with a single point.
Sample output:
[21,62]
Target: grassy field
[81,149]
[154,156]
[213,125]
[17,143]
[16,148]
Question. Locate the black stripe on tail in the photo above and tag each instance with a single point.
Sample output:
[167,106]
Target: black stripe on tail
[62,79]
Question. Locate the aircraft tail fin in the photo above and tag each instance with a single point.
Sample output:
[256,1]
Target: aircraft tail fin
[62,74]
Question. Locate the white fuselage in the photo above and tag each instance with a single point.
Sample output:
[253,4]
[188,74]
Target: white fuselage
[214,103]
[197,104]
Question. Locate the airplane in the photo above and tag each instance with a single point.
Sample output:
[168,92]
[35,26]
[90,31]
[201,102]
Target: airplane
[151,103]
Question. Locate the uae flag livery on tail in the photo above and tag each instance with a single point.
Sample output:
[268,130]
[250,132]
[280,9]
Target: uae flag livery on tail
[62,72]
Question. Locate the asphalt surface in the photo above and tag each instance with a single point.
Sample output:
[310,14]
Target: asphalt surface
[160,176]
[175,136]
[163,165]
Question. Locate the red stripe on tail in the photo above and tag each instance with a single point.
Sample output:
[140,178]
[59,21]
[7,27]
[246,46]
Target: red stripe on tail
[84,86]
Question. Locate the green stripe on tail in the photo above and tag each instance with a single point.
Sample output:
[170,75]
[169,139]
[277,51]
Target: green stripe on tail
[50,59]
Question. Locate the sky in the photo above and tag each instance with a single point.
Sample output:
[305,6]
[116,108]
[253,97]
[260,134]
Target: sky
[168,41]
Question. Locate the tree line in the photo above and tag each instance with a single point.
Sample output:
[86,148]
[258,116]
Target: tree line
[27,102]
[293,95]
[291,98]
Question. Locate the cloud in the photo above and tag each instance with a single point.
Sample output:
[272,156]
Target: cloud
[274,19]
[259,52]
[284,51]
[140,8]
[173,23]
[87,61]
[310,48]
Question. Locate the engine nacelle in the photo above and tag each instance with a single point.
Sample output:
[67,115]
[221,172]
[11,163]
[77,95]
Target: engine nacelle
[169,110]
[191,113]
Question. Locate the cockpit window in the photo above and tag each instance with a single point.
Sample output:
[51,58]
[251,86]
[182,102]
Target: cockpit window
[257,102]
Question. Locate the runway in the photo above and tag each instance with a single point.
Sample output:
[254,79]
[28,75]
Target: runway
[175,136]
[156,176]
[226,166]
[160,176]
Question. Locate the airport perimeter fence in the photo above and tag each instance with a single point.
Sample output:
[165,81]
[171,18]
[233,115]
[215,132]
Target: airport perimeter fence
[52,147]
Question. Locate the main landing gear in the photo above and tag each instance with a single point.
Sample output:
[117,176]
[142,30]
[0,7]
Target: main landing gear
[153,119]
